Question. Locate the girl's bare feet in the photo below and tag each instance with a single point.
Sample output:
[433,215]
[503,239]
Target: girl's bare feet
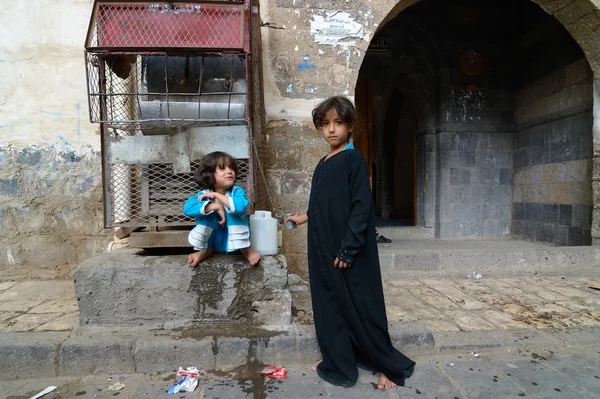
[314,367]
[385,383]
[197,257]
[252,256]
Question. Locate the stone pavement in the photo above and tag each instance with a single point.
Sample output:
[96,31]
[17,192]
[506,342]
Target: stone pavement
[565,366]
[39,326]
[483,304]
[450,304]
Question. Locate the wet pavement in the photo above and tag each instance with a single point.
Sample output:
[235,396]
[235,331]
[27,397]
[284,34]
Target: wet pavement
[569,371]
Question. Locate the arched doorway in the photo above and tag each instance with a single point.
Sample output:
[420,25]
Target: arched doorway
[500,99]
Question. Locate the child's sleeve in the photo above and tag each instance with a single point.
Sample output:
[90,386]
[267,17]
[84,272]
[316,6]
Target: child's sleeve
[361,204]
[195,208]
[238,202]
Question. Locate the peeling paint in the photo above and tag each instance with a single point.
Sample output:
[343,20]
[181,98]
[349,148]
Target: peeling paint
[336,28]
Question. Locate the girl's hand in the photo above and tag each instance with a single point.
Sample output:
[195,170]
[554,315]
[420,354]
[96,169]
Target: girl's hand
[210,196]
[298,219]
[340,264]
[221,212]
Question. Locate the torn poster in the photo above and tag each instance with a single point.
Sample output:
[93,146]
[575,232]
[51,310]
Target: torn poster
[336,27]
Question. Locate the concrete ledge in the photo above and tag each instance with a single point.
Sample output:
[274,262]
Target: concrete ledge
[30,355]
[500,257]
[162,354]
[125,288]
[135,350]
[100,350]
[97,354]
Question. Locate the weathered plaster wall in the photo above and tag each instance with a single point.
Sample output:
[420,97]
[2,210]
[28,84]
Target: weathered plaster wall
[50,175]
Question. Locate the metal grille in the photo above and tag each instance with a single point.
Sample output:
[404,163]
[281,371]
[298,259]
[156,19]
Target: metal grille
[167,25]
[136,91]
[146,195]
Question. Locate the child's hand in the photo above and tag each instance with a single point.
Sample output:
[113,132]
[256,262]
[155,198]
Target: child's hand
[221,212]
[341,264]
[210,196]
[298,219]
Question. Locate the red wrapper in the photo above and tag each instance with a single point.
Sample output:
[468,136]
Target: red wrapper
[274,372]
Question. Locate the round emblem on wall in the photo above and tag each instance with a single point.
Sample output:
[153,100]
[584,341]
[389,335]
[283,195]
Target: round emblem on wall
[471,62]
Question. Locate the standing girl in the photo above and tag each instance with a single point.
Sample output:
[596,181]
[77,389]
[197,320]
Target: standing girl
[343,261]
[220,211]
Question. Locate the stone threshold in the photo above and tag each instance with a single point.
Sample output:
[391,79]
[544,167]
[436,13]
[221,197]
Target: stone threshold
[125,350]
[105,350]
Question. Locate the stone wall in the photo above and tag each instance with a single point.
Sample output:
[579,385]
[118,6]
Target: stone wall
[50,211]
[474,184]
[552,197]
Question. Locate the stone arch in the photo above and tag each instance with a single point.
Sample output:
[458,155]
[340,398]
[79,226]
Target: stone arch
[581,18]
[569,15]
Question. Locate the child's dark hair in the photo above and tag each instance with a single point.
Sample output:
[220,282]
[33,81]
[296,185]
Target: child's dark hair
[205,174]
[342,106]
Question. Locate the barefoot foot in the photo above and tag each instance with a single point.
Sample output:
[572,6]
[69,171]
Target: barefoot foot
[314,367]
[252,256]
[385,383]
[197,257]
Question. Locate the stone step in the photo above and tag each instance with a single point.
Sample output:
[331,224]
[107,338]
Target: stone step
[490,257]
[126,350]
[406,232]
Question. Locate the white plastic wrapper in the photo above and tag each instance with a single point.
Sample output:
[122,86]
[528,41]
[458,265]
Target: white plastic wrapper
[186,384]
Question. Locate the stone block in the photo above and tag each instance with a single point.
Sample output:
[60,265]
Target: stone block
[581,216]
[460,176]
[533,212]
[579,70]
[165,354]
[519,211]
[559,193]
[497,211]
[505,176]
[29,355]
[232,352]
[517,229]
[575,236]
[126,288]
[546,232]
[561,235]
[308,347]
[278,350]
[581,193]
[530,230]
[97,354]
[465,159]
[564,214]
[549,213]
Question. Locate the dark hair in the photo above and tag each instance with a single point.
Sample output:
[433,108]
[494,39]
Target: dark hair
[205,174]
[342,106]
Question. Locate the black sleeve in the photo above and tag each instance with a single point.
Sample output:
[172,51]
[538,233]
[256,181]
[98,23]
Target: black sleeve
[361,204]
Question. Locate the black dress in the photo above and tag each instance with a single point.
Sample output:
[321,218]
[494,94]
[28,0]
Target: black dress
[348,304]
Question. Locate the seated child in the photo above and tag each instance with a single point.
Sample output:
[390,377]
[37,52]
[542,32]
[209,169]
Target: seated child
[220,211]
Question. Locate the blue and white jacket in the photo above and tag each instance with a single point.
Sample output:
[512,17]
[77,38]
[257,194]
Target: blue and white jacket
[238,229]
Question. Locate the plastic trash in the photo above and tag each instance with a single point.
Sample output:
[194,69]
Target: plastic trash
[475,276]
[274,372]
[186,384]
[191,371]
[117,386]
[45,391]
